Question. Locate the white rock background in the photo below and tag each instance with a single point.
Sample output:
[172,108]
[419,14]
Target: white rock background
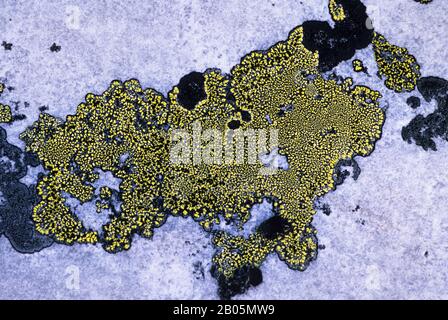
[402,191]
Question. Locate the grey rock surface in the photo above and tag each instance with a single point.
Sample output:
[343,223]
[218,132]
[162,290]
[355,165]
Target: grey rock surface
[395,245]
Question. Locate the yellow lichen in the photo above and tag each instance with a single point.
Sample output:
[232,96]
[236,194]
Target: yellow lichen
[336,11]
[358,66]
[130,132]
[5,114]
[5,111]
[332,123]
[105,193]
[104,129]
[395,63]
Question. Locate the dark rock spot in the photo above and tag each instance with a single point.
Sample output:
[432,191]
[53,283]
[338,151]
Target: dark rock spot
[326,209]
[198,271]
[6,45]
[55,48]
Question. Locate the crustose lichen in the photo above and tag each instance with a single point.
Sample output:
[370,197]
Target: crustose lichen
[128,130]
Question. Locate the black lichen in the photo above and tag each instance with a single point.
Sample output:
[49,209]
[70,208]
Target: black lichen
[18,117]
[17,199]
[242,279]
[414,102]
[191,90]
[245,115]
[273,227]
[341,173]
[341,42]
[423,130]
[234,124]
[432,88]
